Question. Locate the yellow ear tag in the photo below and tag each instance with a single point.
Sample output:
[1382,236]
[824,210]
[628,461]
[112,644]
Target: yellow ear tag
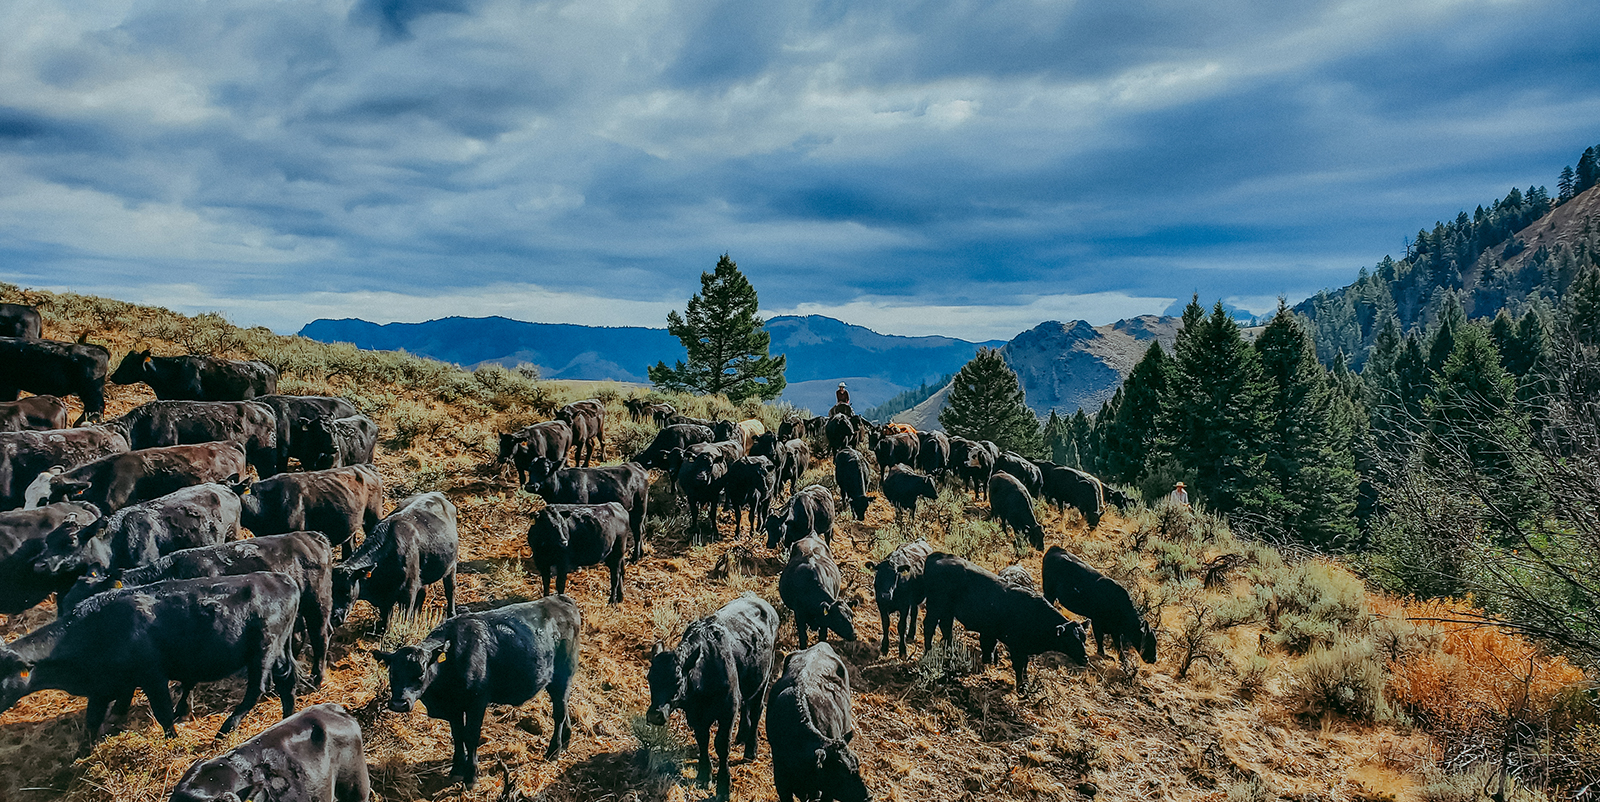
[25,674]
[116,584]
[441,657]
[148,360]
[244,492]
[368,576]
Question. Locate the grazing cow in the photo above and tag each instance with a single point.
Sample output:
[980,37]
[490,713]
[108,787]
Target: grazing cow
[315,754]
[810,728]
[1023,621]
[116,481]
[36,413]
[185,630]
[701,481]
[748,486]
[337,443]
[1012,506]
[568,536]
[501,656]
[140,534]
[815,426]
[25,456]
[1117,497]
[677,435]
[809,586]
[933,456]
[20,320]
[896,449]
[796,461]
[1089,593]
[1022,469]
[1069,486]
[635,407]
[549,440]
[25,535]
[197,378]
[718,674]
[809,512]
[338,502]
[897,587]
[973,463]
[841,432]
[768,445]
[588,421]
[661,412]
[414,547]
[47,367]
[304,557]
[792,426]
[627,484]
[903,486]
[1017,577]
[850,474]
[176,423]
[293,408]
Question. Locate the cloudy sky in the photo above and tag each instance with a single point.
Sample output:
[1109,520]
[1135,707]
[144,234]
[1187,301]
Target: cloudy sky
[966,168]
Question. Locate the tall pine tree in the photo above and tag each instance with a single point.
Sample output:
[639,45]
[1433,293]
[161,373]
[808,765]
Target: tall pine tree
[987,403]
[1218,419]
[1134,434]
[725,339]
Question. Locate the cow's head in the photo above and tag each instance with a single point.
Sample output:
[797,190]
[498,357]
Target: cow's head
[1069,641]
[840,770]
[1036,536]
[14,678]
[776,529]
[73,549]
[667,684]
[1147,642]
[133,367]
[551,527]
[68,488]
[541,473]
[507,443]
[314,440]
[838,617]
[887,577]
[859,505]
[221,780]
[347,581]
[764,444]
[411,670]
[97,580]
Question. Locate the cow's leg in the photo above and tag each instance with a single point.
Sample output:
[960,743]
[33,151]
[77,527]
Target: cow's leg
[702,740]
[1099,638]
[544,574]
[801,630]
[1019,662]
[883,618]
[449,581]
[474,733]
[284,678]
[986,648]
[319,630]
[93,717]
[748,733]
[160,698]
[904,629]
[561,722]
[561,578]
[458,751]
[723,779]
[616,577]
[252,694]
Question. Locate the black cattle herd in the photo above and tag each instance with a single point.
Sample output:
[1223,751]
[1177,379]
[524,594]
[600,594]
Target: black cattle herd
[133,526]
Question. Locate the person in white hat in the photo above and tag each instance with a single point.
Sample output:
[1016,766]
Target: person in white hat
[842,394]
[1180,495]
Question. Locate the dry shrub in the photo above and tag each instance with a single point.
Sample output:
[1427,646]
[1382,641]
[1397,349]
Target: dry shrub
[1345,679]
[1313,605]
[1251,789]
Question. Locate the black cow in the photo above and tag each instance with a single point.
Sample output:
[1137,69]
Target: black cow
[1023,621]
[305,557]
[903,486]
[197,378]
[973,463]
[933,457]
[660,412]
[726,430]
[338,502]
[677,435]
[338,442]
[899,448]
[118,480]
[501,656]
[47,367]
[791,426]
[185,630]
[414,547]
[175,423]
[1069,486]
[767,444]
[809,586]
[315,754]
[1012,506]
[140,534]
[548,440]
[841,432]
[701,480]
[25,456]
[635,407]
[749,486]
[718,674]
[627,484]
[588,421]
[851,475]
[20,320]
[1089,593]
[1117,497]
[796,461]
[1022,469]
[293,408]
[568,536]
[809,512]
[36,413]
[897,587]
[25,535]
[810,728]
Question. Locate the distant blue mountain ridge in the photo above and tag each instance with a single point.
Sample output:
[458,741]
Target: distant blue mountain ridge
[821,351]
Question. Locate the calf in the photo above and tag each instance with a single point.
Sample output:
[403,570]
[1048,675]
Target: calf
[25,535]
[338,503]
[903,486]
[47,367]
[338,442]
[118,480]
[701,481]
[293,408]
[1069,486]
[197,378]
[568,536]
[185,630]
[768,445]
[792,426]
[749,486]
[549,441]
[1022,469]
[933,455]
[851,476]
[661,412]
[810,587]
[810,728]
[140,534]
[315,754]
[718,674]
[796,461]
[675,436]
[841,431]
[897,587]
[25,456]
[304,557]
[1089,593]
[588,421]
[35,413]
[627,484]
[973,463]
[20,320]
[1010,504]
[748,430]
[809,512]
[405,553]
[174,423]
[1117,497]
[1023,621]
[501,656]
[896,449]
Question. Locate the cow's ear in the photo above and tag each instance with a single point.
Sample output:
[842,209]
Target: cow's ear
[382,655]
[904,569]
[657,650]
[871,566]
[849,736]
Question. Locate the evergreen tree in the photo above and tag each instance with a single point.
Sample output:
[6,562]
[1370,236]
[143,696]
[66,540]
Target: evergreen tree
[1218,417]
[1567,185]
[1058,441]
[1443,341]
[987,403]
[1134,432]
[1504,333]
[1580,310]
[1082,431]
[1474,406]
[726,341]
[1588,170]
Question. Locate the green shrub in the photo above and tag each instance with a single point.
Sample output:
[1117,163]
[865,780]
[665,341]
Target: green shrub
[1345,679]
